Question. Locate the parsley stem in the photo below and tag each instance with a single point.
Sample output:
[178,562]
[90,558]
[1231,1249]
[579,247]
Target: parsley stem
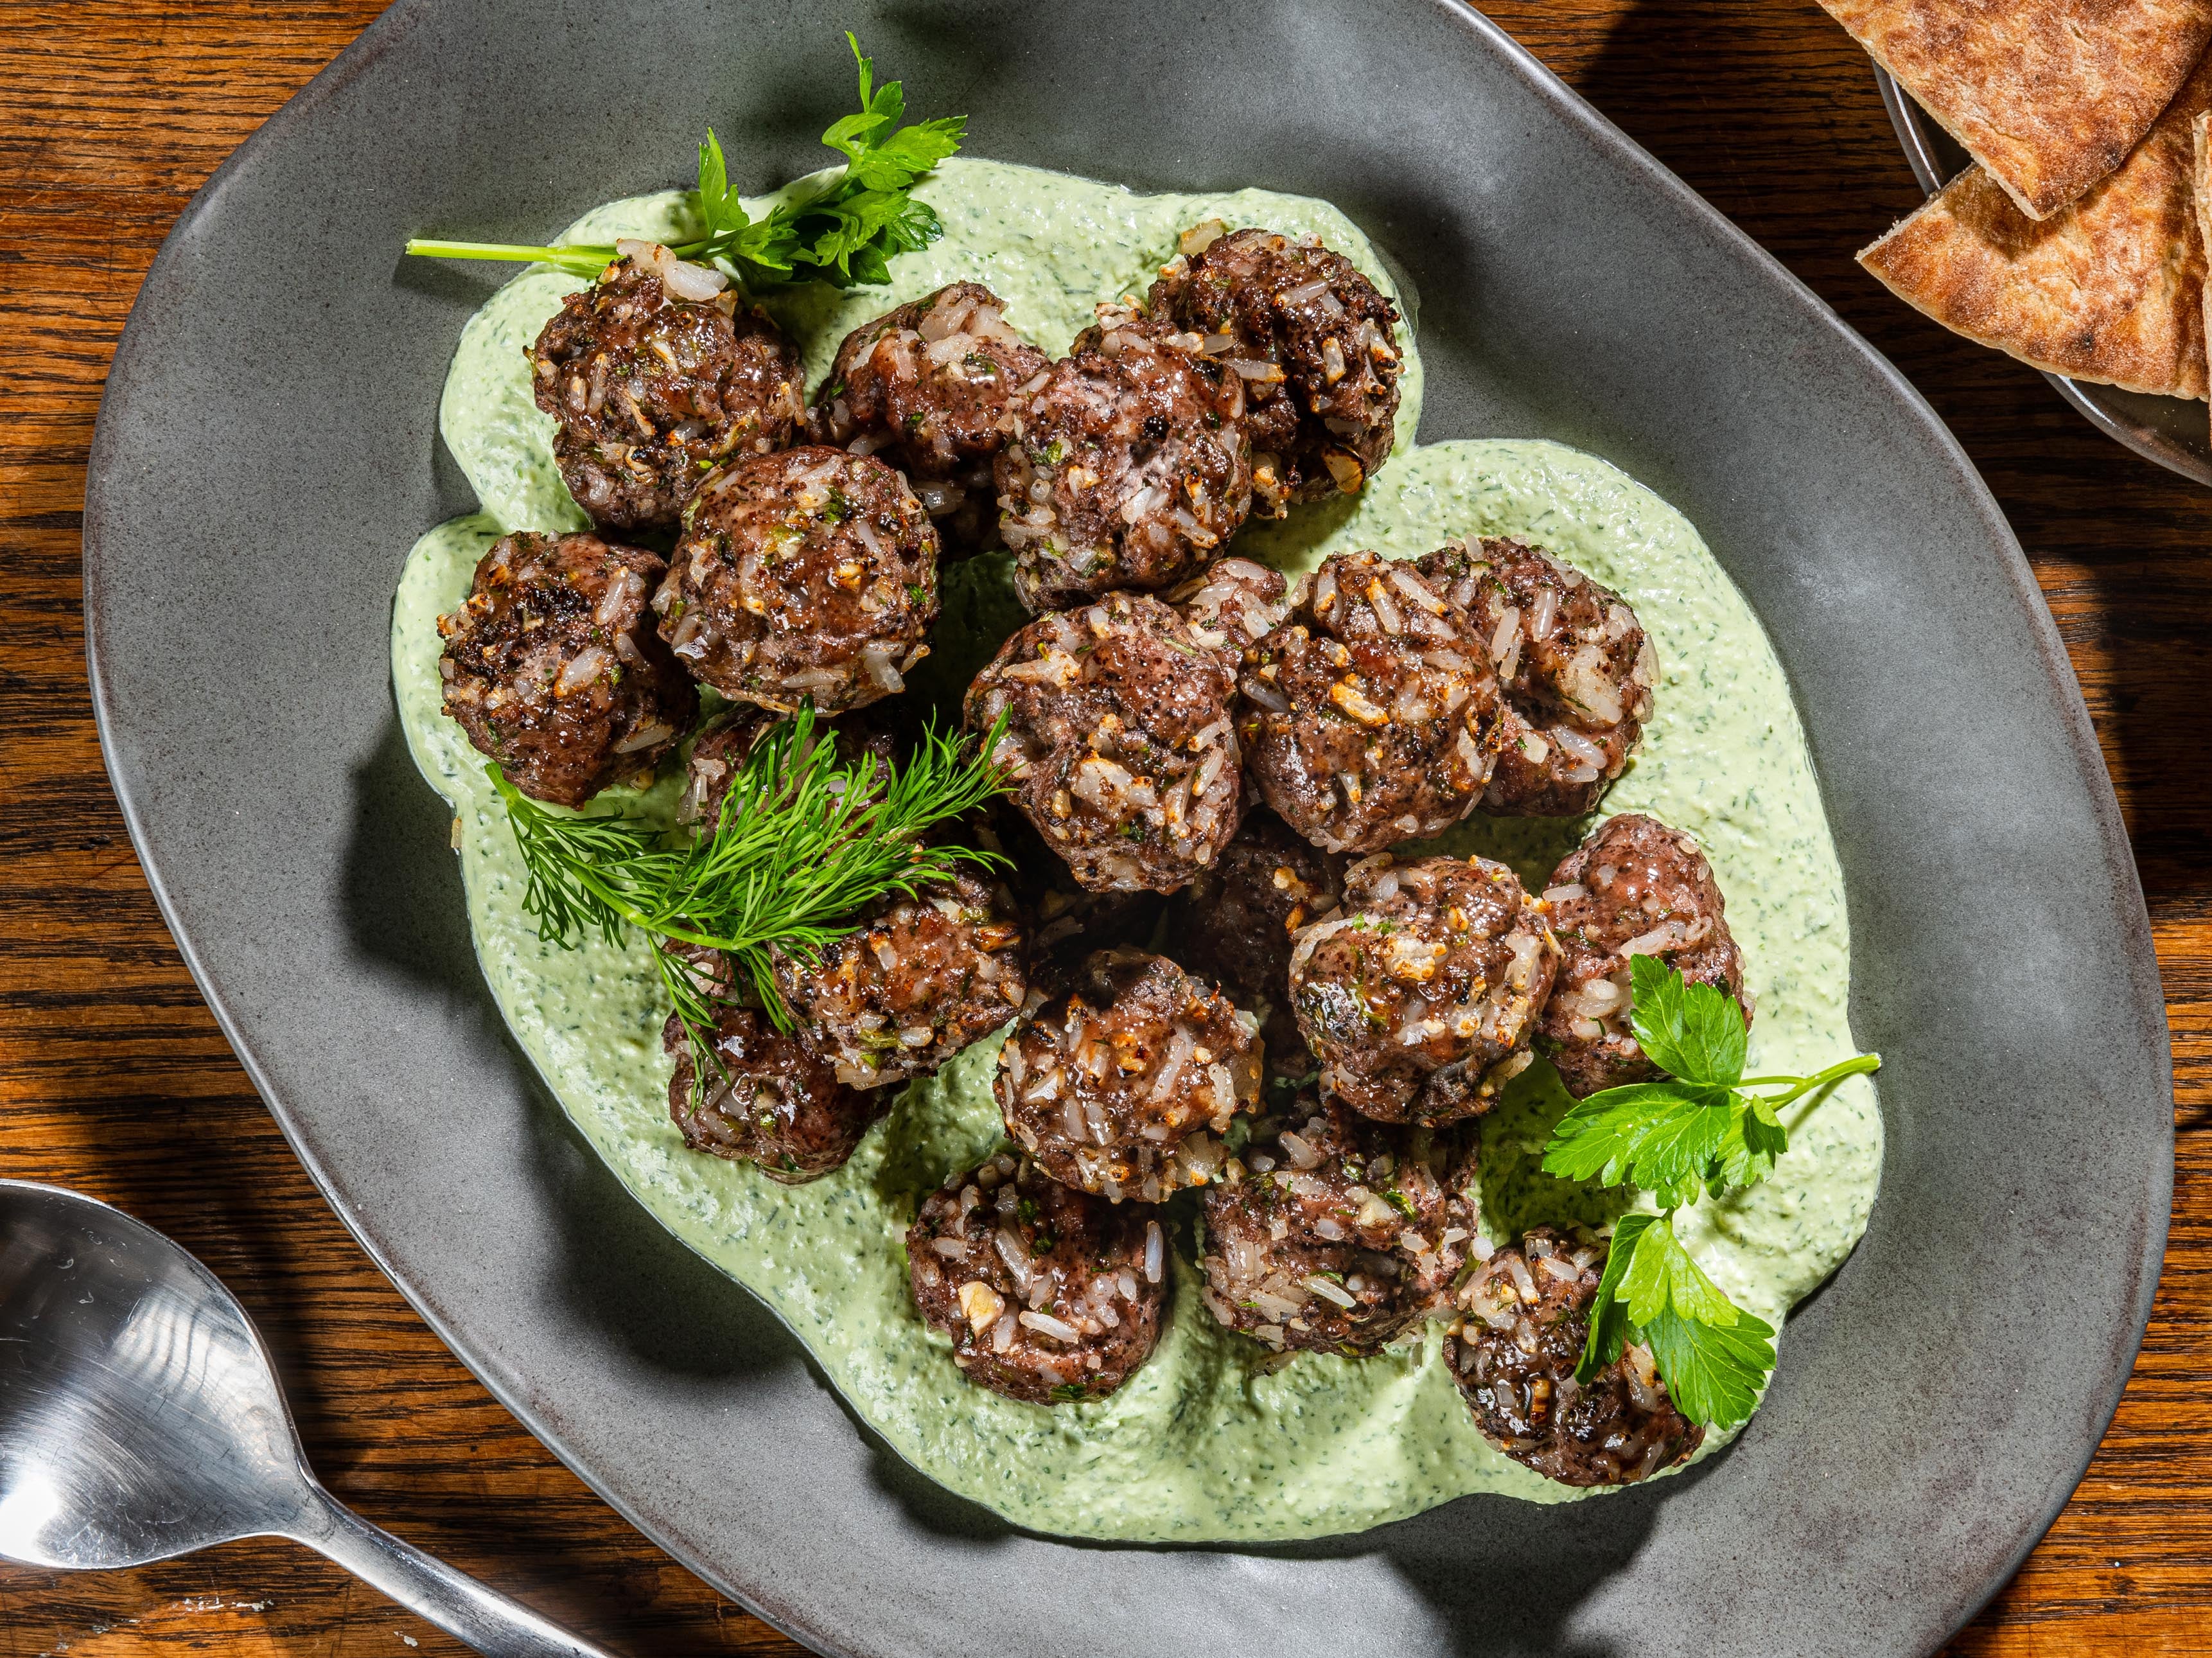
[1858,1065]
[585,261]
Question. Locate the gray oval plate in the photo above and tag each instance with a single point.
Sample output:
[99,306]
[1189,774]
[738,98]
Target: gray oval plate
[2172,431]
[268,451]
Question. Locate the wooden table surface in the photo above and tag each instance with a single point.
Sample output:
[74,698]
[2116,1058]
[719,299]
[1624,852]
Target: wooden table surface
[113,1078]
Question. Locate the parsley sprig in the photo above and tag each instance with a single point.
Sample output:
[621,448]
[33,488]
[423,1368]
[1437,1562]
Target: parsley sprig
[845,232]
[803,843]
[1700,1129]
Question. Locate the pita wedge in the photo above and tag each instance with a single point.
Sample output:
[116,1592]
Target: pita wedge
[2111,289]
[2050,95]
[2200,130]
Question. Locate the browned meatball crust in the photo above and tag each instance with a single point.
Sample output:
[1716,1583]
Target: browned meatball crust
[651,390]
[1325,416]
[1372,715]
[1575,667]
[1341,1233]
[1126,468]
[550,668]
[1634,888]
[1119,740]
[1231,605]
[926,386]
[1049,1295]
[776,1103]
[1524,1321]
[1234,923]
[807,573]
[919,979]
[1419,995]
[1122,1084]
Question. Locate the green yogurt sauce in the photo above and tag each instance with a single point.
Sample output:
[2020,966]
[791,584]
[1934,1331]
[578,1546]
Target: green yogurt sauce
[1214,1439]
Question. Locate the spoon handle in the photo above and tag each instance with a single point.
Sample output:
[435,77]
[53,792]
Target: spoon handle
[479,1617]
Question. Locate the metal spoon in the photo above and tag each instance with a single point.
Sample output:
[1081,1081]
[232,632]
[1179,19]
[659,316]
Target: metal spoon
[140,1420]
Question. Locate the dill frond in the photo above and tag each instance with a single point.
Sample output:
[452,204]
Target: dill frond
[802,845]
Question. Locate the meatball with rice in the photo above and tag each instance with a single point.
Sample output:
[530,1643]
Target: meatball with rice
[1118,740]
[1524,1321]
[766,1097]
[1314,341]
[1420,994]
[1124,1084]
[1126,468]
[1340,1234]
[552,669]
[1050,1296]
[1372,715]
[1635,887]
[656,372]
[926,386]
[808,575]
[916,982]
[1576,668]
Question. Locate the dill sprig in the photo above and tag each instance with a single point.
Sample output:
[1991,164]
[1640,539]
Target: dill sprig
[843,233]
[802,845]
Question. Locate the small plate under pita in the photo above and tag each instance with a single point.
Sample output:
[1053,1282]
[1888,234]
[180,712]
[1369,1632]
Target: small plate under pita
[2172,431]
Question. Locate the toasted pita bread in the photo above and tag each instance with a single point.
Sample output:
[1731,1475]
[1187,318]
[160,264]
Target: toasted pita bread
[2050,95]
[2111,289]
[2200,132]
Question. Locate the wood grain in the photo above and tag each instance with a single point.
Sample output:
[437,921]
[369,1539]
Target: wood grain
[113,1078]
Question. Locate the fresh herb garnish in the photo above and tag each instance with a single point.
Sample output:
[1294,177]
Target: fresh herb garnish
[1697,1130]
[844,232]
[802,844]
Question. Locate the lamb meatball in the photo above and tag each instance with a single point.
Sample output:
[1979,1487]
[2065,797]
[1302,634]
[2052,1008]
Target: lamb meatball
[777,1103]
[1342,1233]
[1121,1084]
[1231,605]
[650,388]
[550,668]
[1327,416]
[1119,740]
[1049,1295]
[1420,994]
[919,979]
[726,743]
[1234,923]
[1635,888]
[1370,716]
[1576,668]
[1525,1318]
[926,386]
[808,573]
[1126,468]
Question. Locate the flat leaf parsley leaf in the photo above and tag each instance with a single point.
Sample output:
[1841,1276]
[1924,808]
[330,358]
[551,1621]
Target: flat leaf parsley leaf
[1697,1127]
[1713,1356]
[844,232]
[1701,1128]
[1692,1032]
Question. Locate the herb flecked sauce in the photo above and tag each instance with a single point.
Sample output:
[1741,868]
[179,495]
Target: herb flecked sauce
[1209,1440]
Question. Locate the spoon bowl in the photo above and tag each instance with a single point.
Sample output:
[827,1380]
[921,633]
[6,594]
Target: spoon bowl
[140,1418]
